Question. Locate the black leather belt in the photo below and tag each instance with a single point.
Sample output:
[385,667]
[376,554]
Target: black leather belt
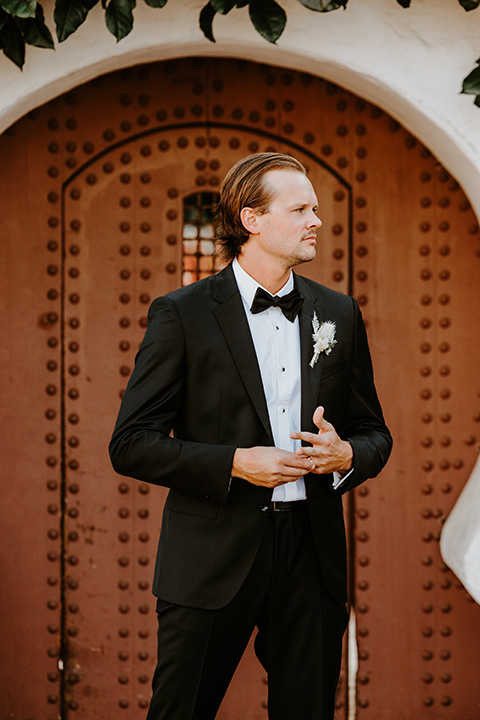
[284,506]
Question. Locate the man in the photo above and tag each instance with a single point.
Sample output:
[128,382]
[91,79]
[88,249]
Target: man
[274,415]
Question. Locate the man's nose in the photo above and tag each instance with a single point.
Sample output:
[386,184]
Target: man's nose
[314,221]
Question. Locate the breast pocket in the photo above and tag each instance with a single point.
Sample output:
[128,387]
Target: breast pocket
[334,391]
[329,371]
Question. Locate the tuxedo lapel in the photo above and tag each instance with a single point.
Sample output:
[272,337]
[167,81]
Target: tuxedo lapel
[310,376]
[230,315]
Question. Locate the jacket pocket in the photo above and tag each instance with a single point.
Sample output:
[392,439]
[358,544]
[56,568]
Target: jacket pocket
[191,505]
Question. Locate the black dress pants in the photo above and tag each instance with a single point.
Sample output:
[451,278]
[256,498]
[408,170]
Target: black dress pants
[299,639]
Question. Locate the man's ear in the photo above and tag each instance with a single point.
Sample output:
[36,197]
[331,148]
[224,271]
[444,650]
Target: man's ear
[249,220]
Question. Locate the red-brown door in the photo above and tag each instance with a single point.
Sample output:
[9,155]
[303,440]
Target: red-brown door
[105,203]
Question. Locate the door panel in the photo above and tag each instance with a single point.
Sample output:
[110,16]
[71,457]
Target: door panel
[422,307]
[92,207]
[124,223]
[30,509]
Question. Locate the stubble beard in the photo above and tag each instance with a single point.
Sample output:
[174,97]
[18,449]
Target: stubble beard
[299,258]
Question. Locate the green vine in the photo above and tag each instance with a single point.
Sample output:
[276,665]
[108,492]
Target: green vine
[22,22]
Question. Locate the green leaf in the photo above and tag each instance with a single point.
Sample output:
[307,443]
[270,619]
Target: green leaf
[223,6]
[35,32]
[12,43]
[156,3]
[19,8]
[119,18]
[323,5]
[471,84]
[69,15]
[206,21]
[268,18]
[469,4]
[477,101]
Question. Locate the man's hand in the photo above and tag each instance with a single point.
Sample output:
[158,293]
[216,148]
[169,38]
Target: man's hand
[328,452]
[269,466]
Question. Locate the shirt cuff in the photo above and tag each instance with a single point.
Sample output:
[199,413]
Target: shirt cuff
[338,478]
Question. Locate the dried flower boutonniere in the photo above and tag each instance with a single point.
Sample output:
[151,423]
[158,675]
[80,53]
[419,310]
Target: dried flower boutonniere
[323,338]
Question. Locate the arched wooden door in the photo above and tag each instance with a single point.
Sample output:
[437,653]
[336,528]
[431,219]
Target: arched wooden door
[105,204]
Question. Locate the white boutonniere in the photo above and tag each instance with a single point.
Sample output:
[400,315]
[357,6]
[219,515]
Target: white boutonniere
[323,338]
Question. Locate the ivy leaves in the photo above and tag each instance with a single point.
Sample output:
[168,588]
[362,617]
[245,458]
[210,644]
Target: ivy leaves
[20,8]
[22,22]
[471,84]
[323,5]
[267,17]
[469,4]
[69,15]
[119,17]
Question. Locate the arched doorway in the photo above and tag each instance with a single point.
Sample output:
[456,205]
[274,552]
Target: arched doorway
[97,193]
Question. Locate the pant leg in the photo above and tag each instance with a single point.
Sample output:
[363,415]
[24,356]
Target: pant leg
[199,650]
[182,640]
[301,629]
[299,641]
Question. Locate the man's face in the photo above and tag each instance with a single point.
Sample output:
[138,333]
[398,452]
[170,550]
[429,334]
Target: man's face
[288,229]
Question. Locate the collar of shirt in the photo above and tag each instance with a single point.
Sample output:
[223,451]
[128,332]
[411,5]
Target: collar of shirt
[248,286]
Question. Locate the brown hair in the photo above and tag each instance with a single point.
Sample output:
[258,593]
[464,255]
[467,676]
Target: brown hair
[245,186]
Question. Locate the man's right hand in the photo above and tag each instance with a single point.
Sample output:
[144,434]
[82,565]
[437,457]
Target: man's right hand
[269,466]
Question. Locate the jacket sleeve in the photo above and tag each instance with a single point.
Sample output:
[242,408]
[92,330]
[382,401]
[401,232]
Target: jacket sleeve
[365,427]
[143,445]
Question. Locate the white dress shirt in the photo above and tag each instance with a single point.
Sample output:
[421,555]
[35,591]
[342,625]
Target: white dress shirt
[277,346]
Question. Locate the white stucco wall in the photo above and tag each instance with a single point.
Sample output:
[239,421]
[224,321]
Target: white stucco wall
[409,61]
[460,539]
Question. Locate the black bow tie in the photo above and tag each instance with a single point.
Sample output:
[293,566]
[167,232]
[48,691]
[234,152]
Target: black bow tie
[289,304]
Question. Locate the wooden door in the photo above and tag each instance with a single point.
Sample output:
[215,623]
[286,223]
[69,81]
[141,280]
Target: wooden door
[105,204]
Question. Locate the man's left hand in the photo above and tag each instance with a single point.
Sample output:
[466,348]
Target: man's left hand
[328,452]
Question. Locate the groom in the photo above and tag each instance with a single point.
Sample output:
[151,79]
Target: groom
[253,400]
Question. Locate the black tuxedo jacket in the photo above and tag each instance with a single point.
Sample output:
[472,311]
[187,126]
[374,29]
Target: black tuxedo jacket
[196,395]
